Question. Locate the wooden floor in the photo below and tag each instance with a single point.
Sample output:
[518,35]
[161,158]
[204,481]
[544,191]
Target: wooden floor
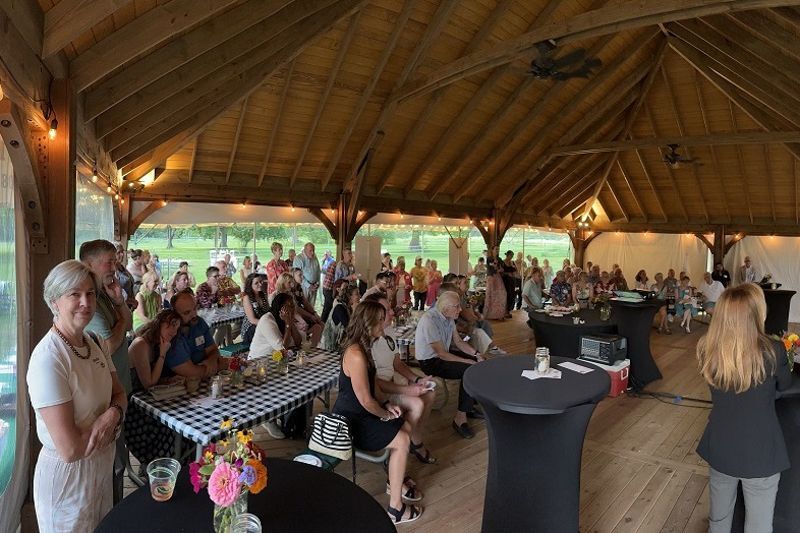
[640,471]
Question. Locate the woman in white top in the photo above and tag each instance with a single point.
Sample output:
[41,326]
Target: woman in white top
[276,330]
[80,405]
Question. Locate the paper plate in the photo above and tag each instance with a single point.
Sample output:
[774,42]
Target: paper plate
[309,459]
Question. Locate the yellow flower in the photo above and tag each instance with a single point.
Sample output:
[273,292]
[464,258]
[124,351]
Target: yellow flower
[793,337]
[223,443]
[209,456]
[277,356]
[244,437]
[227,423]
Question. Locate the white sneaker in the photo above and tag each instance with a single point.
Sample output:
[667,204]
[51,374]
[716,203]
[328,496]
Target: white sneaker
[273,430]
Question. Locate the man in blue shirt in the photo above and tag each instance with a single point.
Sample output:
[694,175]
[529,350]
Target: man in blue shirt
[194,352]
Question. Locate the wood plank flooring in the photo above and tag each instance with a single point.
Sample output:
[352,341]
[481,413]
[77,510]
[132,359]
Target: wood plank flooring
[640,471]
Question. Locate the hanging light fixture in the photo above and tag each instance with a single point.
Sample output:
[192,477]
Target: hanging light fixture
[108,189]
[94,174]
[53,132]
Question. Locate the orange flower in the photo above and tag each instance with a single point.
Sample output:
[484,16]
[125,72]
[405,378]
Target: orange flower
[261,476]
[787,343]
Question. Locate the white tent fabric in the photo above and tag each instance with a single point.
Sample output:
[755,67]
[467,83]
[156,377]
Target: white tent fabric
[653,252]
[459,255]
[368,257]
[770,255]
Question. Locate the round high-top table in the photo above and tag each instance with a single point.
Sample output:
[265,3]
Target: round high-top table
[536,430]
[634,322]
[298,497]
[562,336]
[778,303]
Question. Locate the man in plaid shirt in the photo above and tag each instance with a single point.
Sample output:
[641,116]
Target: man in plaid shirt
[327,290]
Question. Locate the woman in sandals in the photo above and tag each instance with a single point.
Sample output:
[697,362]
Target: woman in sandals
[374,422]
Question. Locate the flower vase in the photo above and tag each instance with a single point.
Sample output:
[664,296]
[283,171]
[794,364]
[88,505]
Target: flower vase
[237,379]
[224,516]
[605,312]
[283,367]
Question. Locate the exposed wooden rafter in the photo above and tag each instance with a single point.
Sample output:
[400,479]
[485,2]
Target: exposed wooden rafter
[527,172]
[655,191]
[701,102]
[68,19]
[366,94]
[435,26]
[344,45]
[629,121]
[239,124]
[151,67]
[612,19]
[193,160]
[287,81]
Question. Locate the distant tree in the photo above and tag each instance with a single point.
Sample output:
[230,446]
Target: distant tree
[244,233]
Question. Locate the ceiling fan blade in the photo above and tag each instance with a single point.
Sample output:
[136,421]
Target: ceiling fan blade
[576,56]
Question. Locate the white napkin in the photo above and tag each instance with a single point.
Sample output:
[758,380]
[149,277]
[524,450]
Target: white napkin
[575,368]
[534,374]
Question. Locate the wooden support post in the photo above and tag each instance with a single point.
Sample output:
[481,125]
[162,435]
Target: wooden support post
[719,245]
[581,238]
[57,189]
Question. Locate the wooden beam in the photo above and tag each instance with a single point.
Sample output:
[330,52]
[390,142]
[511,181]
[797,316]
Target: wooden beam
[194,158]
[759,50]
[388,48]
[27,18]
[205,78]
[751,83]
[276,123]
[239,124]
[458,122]
[70,19]
[362,172]
[137,221]
[682,131]
[754,109]
[344,45]
[770,182]
[627,180]
[477,40]
[529,171]
[320,215]
[707,129]
[740,160]
[796,203]
[556,194]
[655,192]
[765,28]
[711,140]
[213,106]
[151,67]
[629,121]
[616,198]
[745,53]
[670,171]
[435,27]
[612,19]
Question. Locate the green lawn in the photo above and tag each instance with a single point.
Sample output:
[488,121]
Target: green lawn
[7,454]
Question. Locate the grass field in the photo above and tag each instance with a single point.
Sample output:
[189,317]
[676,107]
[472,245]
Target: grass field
[433,244]
[7,451]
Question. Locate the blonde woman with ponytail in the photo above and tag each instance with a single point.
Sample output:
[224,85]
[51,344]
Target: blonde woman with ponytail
[743,440]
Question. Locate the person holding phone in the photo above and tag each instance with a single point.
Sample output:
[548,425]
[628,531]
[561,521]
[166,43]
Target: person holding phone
[375,423]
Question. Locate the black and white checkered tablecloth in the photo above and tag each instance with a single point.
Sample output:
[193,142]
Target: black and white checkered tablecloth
[197,417]
[405,335]
[221,316]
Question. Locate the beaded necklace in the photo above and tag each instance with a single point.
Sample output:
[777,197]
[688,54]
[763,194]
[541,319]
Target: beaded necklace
[71,347]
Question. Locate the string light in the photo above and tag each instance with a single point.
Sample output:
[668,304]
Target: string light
[94,174]
[165,202]
[116,197]
[53,129]
[108,189]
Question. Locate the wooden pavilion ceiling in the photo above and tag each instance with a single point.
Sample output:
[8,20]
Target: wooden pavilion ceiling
[425,106]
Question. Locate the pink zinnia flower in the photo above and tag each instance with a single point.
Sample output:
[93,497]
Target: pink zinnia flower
[223,485]
[194,477]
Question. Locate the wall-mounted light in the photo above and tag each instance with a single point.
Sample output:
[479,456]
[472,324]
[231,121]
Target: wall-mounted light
[53,132]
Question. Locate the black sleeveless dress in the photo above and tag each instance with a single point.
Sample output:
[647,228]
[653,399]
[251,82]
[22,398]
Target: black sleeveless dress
[369,432]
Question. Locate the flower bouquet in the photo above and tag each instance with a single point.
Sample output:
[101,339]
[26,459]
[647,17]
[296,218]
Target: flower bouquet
[791,341]
[230,468]
[281,357]
[239,369]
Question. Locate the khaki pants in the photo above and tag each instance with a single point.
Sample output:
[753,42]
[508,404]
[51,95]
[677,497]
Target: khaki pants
[759,502]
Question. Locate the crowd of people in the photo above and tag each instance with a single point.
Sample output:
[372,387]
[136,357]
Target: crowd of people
[114,333]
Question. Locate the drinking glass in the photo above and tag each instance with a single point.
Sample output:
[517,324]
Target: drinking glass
[162,474]
[246,523]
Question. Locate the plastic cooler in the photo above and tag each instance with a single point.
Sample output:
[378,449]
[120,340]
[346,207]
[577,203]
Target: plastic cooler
[619,376]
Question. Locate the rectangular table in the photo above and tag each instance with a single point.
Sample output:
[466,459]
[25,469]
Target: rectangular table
[220,316]
[197,417]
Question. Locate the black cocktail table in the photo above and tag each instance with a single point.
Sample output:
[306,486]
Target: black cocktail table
[298,497]
[562,336]
[634,322]
[778,303]
[536,430]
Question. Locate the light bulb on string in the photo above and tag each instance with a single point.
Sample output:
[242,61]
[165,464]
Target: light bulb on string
[53,132]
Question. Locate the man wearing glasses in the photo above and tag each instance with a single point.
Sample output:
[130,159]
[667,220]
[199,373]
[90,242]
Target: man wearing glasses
[436,332]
